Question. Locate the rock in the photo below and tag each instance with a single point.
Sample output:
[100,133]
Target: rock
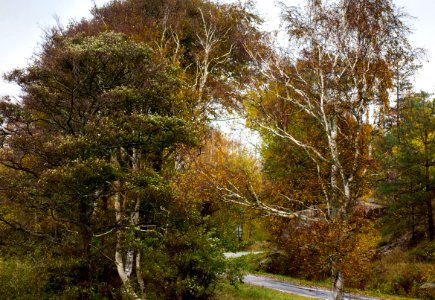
[427,290]
[428,286]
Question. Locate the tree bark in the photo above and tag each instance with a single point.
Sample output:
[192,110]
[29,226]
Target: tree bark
[430,217]
[131,294]
[85,239]
[338,287]
[428,199]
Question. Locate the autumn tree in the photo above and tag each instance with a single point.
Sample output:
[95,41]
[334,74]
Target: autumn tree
[206,40]
[336,67]
[220,163]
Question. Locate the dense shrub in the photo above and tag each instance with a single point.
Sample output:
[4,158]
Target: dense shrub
[185,265]
[22,279]
[46,277]
[308,249]
[400,273]
[182,264]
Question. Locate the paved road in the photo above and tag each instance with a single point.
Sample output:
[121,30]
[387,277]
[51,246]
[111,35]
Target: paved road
[238,254]
[286,287]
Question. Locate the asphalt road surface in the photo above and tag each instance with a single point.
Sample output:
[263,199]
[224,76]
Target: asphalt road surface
[239,254]
[290,288]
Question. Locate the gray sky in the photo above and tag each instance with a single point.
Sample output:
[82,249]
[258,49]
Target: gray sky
[22,23]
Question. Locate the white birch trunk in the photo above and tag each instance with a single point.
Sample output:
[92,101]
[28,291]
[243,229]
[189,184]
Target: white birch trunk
[338,288]
[140,277]
[120,267]
[129,260]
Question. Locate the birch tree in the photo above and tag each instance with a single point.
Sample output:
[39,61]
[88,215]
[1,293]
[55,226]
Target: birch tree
[204,38]
[335,75]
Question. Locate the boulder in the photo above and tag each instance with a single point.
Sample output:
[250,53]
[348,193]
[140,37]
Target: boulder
[427,290]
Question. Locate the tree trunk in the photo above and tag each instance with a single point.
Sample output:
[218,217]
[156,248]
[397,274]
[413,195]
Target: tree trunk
[413,236]
[85,231]
[430,216]
[331,129]
[430,227]
[85,240]
[338,287]
[132,258]
[131,294]
[140,277]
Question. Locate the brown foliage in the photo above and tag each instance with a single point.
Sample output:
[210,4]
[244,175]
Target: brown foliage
[207,40]
[310,249]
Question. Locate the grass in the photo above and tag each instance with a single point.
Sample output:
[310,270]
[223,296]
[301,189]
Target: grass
[19,281]
[246,291]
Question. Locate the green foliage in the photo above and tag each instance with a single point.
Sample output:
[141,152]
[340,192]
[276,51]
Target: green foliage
[39,276]
[424,252]
[406,153]
[185,264]
[89,99]
[95,107]
[64,273]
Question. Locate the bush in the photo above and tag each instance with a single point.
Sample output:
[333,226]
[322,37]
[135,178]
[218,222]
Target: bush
[37,277]
[399,273]
[424,251]
[64,279]
[308,250]
[184,265]
[22,278]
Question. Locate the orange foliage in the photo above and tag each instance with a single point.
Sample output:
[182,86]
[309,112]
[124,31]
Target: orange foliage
[309,249]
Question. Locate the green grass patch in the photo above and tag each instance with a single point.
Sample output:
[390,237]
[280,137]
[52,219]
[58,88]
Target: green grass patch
[247,291]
